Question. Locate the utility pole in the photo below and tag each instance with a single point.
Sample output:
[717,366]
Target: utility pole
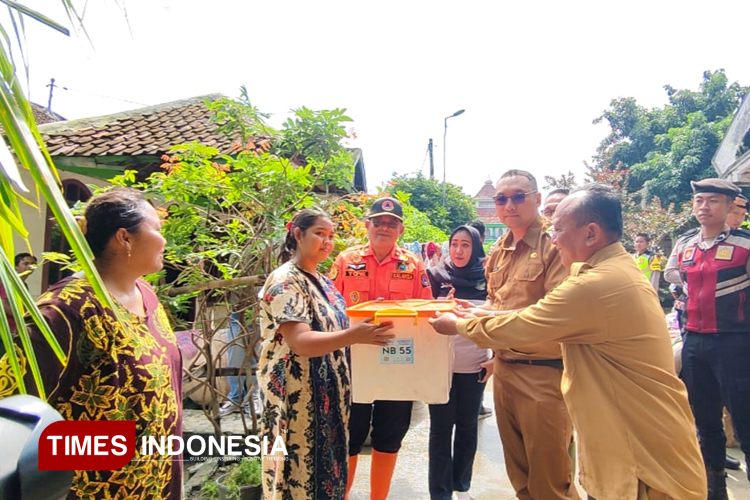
[51,89]
[432,162]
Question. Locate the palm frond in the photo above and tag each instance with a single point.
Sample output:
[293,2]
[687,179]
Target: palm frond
[26,144]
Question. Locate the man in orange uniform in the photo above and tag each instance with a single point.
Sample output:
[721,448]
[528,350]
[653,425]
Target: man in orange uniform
[380,270]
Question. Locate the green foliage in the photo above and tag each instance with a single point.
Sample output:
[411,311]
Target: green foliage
[427,197]
[563,181]
[640,215]
[310,138]
[417,224]
[665,148]
[209,489]
[225,216]
[246,473]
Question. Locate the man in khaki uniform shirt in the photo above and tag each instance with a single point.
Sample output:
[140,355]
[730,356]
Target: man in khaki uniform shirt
[636,431]
[534,424]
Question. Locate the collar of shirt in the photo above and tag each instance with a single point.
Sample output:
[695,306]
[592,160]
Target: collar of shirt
[706,243]
[396,254]
[605,253]
[531,238]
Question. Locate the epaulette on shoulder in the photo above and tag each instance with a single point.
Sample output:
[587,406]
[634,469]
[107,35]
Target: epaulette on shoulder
[689,234]
[355,248]
[742,231]
[407,253]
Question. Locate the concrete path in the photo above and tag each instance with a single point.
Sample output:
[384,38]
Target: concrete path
[410,479]
[490,481]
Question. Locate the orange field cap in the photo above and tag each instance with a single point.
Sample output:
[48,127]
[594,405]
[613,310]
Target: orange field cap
[422,308]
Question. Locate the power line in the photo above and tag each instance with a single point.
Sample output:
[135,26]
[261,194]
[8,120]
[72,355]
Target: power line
[104,96]
[52,86]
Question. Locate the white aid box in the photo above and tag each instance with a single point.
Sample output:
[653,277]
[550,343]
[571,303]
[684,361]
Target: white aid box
[417,365]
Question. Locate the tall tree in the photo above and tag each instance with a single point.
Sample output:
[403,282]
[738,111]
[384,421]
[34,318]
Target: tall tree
[427,197]
[665,148]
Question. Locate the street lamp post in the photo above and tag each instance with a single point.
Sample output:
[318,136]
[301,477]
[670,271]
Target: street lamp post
[445,134]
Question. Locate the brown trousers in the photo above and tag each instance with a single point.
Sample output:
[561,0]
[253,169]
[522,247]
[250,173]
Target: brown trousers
[645,492]
[535,430]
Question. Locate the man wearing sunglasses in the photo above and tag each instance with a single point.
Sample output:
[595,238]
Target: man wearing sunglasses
[380,269]
[533,421]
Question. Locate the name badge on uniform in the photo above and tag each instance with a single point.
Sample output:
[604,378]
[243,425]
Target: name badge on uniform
[724,252]
[688,254]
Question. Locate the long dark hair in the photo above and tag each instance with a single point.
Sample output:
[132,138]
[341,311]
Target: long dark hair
[303,219]
[105,213]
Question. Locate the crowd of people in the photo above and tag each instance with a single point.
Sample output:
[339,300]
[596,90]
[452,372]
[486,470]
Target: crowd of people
[565,320]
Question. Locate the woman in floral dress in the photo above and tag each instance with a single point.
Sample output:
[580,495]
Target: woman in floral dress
[303,370]
[115,371]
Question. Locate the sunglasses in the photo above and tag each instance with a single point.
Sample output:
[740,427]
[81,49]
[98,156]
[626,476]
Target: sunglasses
[380,223]
[517,198]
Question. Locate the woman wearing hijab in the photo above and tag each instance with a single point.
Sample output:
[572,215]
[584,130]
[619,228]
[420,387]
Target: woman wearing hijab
[463,275]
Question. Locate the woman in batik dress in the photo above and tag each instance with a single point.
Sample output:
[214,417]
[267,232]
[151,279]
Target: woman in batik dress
[130,371]
[303,370]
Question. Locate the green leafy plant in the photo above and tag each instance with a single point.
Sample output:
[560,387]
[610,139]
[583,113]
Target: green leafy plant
[427,197]
[246,473]
[209,490]
[665,148]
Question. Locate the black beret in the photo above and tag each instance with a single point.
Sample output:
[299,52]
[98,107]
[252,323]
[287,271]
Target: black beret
[714,185]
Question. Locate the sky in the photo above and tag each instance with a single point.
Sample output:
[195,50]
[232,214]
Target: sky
[532,76]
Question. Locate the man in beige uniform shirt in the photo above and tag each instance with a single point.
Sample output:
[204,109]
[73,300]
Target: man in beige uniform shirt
[534,424]
[636,432]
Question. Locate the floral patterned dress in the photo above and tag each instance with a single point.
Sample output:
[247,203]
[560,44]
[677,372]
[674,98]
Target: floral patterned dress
[113,373]
[306,399]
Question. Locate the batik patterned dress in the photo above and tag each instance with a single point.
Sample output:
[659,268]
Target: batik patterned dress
[306,399]
[113,373]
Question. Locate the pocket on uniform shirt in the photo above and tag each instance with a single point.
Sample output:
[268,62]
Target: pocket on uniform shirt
[495,280]
[529,272]
[357,291]
[401,289]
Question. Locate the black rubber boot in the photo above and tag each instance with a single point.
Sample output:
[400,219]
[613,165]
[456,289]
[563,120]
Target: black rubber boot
[717,484]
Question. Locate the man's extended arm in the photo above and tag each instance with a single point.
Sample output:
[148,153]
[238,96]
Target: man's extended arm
[568,313]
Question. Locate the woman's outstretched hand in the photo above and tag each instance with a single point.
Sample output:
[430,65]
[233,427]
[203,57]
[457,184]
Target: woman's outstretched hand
[367,332]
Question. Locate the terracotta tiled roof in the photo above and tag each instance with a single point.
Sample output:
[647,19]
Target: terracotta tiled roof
[42,116]
[487,215]
[145,131]
[487,191]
